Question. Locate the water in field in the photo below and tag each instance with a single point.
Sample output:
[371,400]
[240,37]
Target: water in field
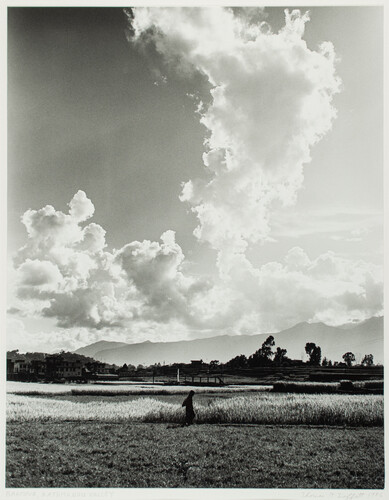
[109,390]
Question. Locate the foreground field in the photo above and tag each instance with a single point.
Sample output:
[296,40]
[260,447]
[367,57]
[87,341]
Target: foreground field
[96,454]
[110,437]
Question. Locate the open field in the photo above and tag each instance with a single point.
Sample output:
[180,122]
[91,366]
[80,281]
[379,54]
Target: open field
[261,408]
[105,454]
[248,439]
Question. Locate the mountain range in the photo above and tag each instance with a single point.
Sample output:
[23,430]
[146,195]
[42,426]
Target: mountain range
[362,338]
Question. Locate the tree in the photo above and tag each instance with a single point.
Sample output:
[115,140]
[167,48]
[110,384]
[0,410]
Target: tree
[348,358]
[314,353]
[214,364]
[263,355]
[280,356]
[267,347]
[13,354]
[324,362]
[367,360]
[237,362]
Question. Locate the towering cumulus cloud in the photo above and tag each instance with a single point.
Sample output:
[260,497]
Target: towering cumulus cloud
[65,271]
[271,101]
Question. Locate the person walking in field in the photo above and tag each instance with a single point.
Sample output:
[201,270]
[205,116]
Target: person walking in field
[190,414]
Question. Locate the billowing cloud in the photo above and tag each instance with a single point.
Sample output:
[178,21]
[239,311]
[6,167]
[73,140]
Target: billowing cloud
[40,274]
[145,288]
[155,271]
[271,102]
[329,288]
[65,272]
[80,207]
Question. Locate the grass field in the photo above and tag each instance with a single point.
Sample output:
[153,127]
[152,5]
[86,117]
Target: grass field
[97,454]
[247,439]
[259,408]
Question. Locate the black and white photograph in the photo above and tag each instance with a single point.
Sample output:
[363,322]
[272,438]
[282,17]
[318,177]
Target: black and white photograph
[195,249]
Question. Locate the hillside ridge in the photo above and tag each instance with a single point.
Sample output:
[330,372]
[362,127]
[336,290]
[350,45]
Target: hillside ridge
[361,338]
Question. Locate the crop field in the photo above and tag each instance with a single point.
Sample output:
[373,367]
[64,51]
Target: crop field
[262,408]
[106,436]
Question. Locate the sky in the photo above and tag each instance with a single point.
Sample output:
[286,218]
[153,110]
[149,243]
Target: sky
[184,173]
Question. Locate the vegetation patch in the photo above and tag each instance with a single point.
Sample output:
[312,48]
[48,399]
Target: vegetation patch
[138,455]
[348,386]
[261,408]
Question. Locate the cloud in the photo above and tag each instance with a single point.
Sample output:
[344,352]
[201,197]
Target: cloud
[154,270]
[63,269]
[40,274]
[65,272]
[81,208]
[330,288]
[271,102]
[70,339]
[144,289]
[340,225]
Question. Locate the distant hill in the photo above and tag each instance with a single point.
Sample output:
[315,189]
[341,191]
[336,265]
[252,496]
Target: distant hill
[92,349]
[363,338]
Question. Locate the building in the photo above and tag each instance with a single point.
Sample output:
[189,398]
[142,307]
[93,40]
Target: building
[38,367]
[22,366]
[98,367]
[58,368]
[10,367]
[196,363]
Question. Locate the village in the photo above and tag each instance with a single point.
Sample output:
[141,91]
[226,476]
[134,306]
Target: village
[68,367]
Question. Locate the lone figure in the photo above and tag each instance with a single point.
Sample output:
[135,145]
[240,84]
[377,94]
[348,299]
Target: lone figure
[190,414]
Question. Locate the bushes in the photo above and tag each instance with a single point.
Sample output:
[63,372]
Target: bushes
[306,387]
[363,387]
[346,385]
[373,384]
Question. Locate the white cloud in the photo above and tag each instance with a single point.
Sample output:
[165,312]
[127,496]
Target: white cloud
[63,269]
[142,290]
[329,288]
[40,274]
[271,101]
[70,339]
[339,225]
[65,272]
[81,208]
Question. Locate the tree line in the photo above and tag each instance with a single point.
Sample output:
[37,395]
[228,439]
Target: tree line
[266,356]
